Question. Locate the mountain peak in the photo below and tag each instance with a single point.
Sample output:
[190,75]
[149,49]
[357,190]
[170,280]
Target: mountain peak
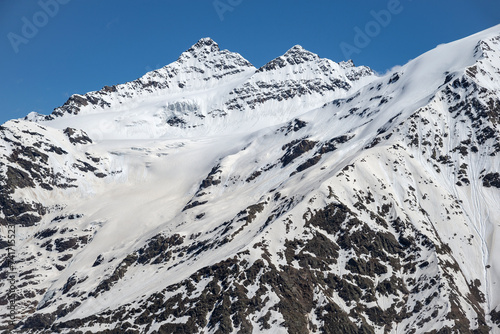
[347,64]
[297,49]
[298,54]
[204,45]
[294,56]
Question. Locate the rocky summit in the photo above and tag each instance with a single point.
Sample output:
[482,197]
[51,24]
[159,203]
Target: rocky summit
[305,196]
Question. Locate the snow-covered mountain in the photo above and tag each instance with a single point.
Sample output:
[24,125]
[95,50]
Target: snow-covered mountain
[209,196]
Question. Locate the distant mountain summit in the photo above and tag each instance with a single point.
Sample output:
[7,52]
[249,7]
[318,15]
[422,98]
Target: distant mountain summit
[306,196]
[296,55]
[200,67]
[204,45]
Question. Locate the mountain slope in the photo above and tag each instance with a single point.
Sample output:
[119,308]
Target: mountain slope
[305,196]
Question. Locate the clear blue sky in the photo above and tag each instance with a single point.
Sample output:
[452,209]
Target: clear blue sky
[85,44]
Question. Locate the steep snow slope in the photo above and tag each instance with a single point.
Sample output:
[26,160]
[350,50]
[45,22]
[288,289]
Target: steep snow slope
[305,196]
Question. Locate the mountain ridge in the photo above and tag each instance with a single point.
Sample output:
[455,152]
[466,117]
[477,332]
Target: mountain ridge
[207,94]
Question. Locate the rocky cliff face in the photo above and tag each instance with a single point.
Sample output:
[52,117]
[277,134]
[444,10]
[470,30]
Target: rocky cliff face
[304,196]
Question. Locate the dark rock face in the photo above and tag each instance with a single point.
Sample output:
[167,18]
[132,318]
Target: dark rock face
[491,180]
[158,249]
[250,96]
[495,317]
[39,321]
[77,136]
[294,126]
[295,149]
[211,179]
[309,163]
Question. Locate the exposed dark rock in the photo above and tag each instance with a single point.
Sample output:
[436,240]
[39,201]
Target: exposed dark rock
[191,205]
[295,149]
[117,274]
[176,121]
[63,310]
[47,233]
[63,244]
[65,257]
[293,126]
[211,179]
[71,282]
[84,166]
[39,321]
[362,267]
[491,180]
[254,175]
[158,249]
[309,163]
[77,136]
[333,143]
[394,78]
[495,317]
[98,260]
